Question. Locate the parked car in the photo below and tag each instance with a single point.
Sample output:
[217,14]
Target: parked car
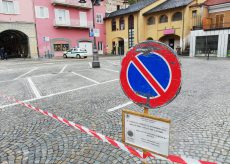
[75,53]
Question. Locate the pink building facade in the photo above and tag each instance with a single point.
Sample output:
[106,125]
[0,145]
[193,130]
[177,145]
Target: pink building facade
[63,24]
[17,28]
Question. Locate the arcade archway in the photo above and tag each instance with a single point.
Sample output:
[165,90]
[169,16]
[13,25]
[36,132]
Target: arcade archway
[15,43]
[172,41]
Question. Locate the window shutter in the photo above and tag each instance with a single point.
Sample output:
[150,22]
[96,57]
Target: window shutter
[67,17]
[16,7]
[46,12]
[0,6]
[37,11]
[56,12]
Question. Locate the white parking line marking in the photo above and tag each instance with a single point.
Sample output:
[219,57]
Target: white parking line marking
[34,88]
[59,93]
[62,70]
[90,65]
[110,70]
[86,77]
[25,73]
[113,63]
[120,106]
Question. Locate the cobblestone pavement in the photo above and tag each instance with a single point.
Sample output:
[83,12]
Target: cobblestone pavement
[200,114]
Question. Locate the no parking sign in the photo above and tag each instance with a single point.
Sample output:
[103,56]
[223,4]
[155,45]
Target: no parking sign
[150,74]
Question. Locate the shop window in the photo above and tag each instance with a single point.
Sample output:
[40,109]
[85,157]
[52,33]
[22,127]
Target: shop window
[114,24]
[163,19]
[122,23]
[206,44]
[177,16]
[150,21]
[61,47]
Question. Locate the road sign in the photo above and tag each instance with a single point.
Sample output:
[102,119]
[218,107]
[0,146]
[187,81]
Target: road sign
[150,74]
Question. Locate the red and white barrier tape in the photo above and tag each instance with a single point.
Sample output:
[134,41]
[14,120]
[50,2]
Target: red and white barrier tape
[117,144]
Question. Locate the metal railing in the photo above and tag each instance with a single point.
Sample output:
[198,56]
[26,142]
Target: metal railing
[197,23]
[216,26]
[72,3]
[74,23]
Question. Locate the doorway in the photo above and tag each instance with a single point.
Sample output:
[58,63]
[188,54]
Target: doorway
[15,43]
[171,43]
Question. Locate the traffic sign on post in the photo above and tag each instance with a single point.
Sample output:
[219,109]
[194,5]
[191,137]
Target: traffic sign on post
[150,74]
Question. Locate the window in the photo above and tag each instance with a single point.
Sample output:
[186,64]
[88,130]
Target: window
[99,18]
[122,23]
[150,21]
[163,19]
[194,13]
[61,47]
[10,7]
[131,31]
[220,21]
[41,12]
[100,46]
[177,16]
[114,24]
[206,44]
[118,7]
[62,16]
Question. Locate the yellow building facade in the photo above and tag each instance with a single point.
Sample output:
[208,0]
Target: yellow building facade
[153,21]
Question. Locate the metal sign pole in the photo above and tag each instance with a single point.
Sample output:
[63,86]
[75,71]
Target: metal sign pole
[146,111]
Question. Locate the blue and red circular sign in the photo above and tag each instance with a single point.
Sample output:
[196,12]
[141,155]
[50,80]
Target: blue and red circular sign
[150,74]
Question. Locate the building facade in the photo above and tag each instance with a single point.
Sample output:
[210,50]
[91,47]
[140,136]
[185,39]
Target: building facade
[168,21]
[112,5]
[213,36]
[17,28]
[63,24]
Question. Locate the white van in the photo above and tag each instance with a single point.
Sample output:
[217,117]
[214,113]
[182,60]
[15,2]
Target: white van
[75,53]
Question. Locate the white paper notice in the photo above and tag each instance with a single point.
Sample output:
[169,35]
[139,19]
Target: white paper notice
[150,134]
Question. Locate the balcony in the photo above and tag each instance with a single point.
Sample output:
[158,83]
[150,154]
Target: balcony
[196,23]
[71,3]
[73,23]
[209,25]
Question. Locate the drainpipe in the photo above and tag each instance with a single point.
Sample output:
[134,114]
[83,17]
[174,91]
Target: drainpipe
[137,29]
[182,48]
[35,27]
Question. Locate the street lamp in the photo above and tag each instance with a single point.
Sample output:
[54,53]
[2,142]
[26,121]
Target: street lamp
[95,63]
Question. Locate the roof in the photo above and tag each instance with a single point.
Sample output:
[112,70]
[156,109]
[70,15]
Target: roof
[169,4]
[216,2]
[131,9]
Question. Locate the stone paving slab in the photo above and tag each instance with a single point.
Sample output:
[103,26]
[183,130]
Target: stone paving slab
[99,75]
[200,119]
[58,83]
[17,88]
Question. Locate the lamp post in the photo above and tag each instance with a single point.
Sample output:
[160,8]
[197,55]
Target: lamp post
[95,62]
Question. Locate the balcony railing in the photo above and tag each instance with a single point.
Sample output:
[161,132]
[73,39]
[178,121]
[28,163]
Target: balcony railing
[72,3]
[73,23]
[209,25]
[197,23]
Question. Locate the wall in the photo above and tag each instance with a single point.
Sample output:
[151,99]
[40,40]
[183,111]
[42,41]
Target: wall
[24,22]
[139,33]
[25,14]
[45,27]
[222,40]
